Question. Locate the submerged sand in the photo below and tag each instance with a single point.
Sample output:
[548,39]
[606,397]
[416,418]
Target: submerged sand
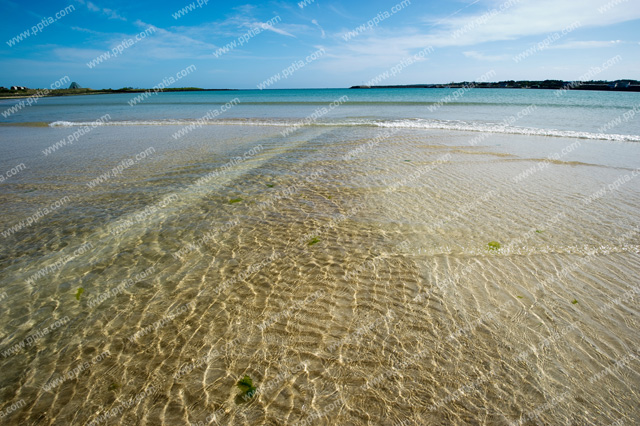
[352,280]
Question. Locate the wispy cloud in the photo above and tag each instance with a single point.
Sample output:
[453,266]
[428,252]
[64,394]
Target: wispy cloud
[586,44]
[92,7]
[110,13]
[87,30]
[315,22]
[339,10]
[245,19]
[173,44]
[482,57]
[276,30]
[527,18]
[163,44]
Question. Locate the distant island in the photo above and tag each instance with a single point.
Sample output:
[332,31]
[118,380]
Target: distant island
[616,86]
[24,92]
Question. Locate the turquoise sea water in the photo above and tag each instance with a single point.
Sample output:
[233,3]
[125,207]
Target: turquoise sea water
[569,113]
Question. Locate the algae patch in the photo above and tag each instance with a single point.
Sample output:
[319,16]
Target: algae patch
[494,245]
[246,386]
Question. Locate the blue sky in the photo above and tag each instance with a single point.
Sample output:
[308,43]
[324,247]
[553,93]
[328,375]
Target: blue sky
[526,39]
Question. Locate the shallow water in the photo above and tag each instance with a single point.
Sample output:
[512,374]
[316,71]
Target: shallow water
[353,290]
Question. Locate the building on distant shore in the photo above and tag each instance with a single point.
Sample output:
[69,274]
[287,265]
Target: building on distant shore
[74,85]
[18,88]
[621,83]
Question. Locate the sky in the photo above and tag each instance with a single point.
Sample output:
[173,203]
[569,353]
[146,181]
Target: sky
[315,43]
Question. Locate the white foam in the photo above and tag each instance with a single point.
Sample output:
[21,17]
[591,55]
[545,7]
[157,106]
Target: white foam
[498,128]
[456,125]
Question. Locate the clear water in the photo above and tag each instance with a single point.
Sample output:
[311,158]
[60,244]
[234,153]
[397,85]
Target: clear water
[344,265]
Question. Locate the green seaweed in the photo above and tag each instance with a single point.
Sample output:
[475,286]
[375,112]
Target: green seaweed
[494,245]
[270,185]
[235,200]
[574,301]
[538,231]
[313,241]
[79,293]
[114,386]
[246,386]
[520,297]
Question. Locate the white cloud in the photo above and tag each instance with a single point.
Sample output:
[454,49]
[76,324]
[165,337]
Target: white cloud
[113,14]
[586,44]
[172,44]
[87,30]
[92,7]
[243,20]
[251,24]
[341,12]
[274,29]
[482,57]
[314,22]
[110,13]
[161,44]
[526,18]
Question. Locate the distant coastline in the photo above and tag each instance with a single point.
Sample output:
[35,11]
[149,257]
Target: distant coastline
[18,94]
[611,86]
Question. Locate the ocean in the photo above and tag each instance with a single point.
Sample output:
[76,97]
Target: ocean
[382,256]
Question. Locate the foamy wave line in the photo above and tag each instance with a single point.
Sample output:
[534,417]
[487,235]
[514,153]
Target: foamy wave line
[120,123]
[497,128]
[403,124]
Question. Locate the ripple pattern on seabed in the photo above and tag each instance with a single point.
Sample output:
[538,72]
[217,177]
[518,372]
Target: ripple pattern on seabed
[347,302]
